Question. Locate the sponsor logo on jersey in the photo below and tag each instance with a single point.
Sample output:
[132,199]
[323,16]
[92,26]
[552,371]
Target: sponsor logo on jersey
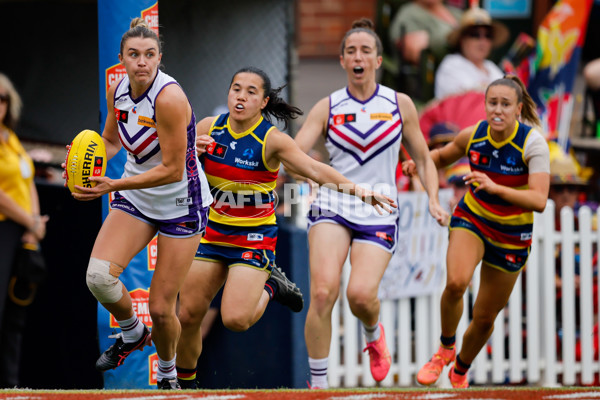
[255,237]
[505,168]
[247,164]
[121,116]
[134,110]
[248,153]
[526,236]
[216,149]
[145,121]
[341,119]
[183,201]
[232,145]
[217,133]
[98,163]
[478,158]
[382,116]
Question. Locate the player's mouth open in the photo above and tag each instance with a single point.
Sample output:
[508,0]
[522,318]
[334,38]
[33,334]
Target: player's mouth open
[358,70]
[239,107]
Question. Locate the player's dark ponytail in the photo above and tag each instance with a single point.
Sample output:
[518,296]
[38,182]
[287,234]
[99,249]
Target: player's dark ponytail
[276,107]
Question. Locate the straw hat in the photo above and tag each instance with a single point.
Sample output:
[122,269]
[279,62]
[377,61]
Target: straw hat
[563,171]
[476,16]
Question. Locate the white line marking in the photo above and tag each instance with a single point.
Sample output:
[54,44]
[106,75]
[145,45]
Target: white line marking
[362,396]
[579,395]
[184,397]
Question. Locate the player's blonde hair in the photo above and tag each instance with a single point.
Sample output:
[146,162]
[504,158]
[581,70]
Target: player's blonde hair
[139,28]
[13,112]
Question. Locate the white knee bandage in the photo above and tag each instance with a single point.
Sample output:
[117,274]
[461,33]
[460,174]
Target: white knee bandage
[106,287]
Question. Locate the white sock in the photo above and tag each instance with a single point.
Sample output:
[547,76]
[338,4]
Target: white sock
[318,372]
[372,333]
[166,369]
[131,329]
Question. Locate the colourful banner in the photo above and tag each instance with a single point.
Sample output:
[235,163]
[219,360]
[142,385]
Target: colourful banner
[139,370]
[552,72]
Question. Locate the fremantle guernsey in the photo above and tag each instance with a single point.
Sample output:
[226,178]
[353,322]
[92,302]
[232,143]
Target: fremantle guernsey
[243,210]
[136,120]
[363,140]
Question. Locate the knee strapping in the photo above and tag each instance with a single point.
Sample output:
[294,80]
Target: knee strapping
[103,280]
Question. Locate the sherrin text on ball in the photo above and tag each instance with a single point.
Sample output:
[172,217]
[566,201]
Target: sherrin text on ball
[86,158]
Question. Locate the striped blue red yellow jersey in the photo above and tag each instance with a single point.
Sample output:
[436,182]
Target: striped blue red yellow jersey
[242,184]
[503,223]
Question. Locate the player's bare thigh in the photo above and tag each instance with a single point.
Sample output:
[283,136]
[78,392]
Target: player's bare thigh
[121,237]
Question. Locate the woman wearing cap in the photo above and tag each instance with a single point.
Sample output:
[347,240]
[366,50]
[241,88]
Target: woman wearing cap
[492,223]
[468,68]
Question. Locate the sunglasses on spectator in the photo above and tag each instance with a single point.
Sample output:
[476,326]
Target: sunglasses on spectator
[480,34]
[3,98]
[562,188]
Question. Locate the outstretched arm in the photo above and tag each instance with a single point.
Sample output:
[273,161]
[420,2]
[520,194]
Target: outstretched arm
[281,148]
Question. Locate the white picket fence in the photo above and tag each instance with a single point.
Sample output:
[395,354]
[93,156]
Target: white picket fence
[413,325]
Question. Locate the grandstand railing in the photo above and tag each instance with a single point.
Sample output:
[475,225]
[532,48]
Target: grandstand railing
[534,340]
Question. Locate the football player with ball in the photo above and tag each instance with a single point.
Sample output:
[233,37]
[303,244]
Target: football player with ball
[163,189]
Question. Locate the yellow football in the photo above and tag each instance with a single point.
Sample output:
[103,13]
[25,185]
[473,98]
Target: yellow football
[86,158]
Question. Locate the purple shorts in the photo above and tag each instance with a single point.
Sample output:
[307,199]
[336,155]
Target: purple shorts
[384,236]
[180,227]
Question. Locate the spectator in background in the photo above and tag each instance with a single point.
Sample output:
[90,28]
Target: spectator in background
[591,74]
[423,24]
[439,135]
[455,178]
[468,67]
[20,223]
[565,185]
